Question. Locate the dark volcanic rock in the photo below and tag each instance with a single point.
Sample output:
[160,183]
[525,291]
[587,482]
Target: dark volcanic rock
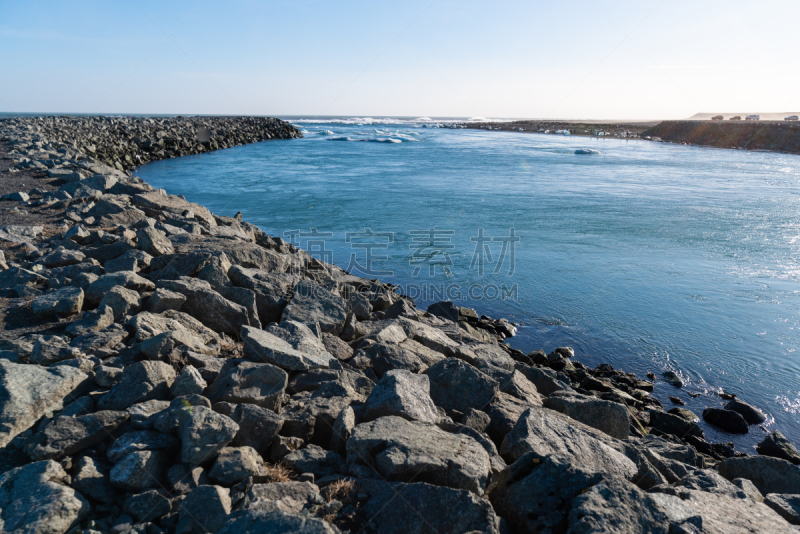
[727,420]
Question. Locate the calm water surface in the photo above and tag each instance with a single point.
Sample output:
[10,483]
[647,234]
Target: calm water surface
[646,256]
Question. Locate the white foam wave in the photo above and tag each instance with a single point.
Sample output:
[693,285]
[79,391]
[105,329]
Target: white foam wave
[367,139]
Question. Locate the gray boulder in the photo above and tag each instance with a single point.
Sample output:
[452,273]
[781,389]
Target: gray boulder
[403,394]
[313,304]
[163,299]
[776,445]
[786,506]
[64,436]
[205,509]
[699,512]
[547,381]
[139,471]
[51,349]
[208,306]
[290,497]
[141,381]
[127,279]
[268,522]
[342,429]
[548,493]
[289,345]
[62,257]
[750,413]
[456,385]
[189,382]
[203,434]
[234,464]
[517,385]
[727,420]
[402,450]
[545,432]
[769,475]
[154,242]
[147,506]
[424,508]
[65,301]
[445,310]
[141,440]
[91,478]
[606,416]
[675,425]
[122,302]
[28,392]
[258,426]
[92,321]
[316,460]
[37,499]
[254,383]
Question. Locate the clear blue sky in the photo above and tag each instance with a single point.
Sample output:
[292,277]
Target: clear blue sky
[645,59]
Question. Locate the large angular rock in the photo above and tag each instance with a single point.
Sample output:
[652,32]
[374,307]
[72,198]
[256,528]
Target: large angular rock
[445,310]
[543,493]
[423,508]
[62,257]
[675,425]
[153,241]
[64,436]
[403,394]
[65,301]
[203,434]
[769,475]
[122,302]
[258,426]
[402,450]
[28,392]
[316,460]
[141,440]
[699,511]
[545,432]
[154,203]
[36,499]
[504,412]
[313,304]
[261,384]
[272,290]
[786,506]
[606,416]
[234,464]
[91,478]
[520,387]
[147,506]
[139,471]
[92,321]
[163,299]
[776,445]
[149,325]
[205,509]
[456,385]
[141,381]
[547,381]
[290,497]
[290,345]
[263,522]
[208,306]
[189,382]
[51,349]
[127,279]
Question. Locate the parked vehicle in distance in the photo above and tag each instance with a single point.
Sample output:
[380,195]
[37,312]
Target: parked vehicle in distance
[791,118]
[752,117]
[717,118]
[736,118]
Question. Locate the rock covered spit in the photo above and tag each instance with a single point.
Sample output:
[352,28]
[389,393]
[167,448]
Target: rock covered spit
[166,369]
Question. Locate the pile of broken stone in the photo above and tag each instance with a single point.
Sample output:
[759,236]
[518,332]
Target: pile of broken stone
[202,376]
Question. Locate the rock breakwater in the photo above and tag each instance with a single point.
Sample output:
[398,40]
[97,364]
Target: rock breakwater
[167,369]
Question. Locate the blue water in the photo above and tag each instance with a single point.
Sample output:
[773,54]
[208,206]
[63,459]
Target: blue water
[646,256]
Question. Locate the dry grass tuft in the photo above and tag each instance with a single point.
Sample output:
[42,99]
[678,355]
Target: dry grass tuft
[278,473]
[341,490]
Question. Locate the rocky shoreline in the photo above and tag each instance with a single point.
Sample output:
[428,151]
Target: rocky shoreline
[768,136]
[166,369]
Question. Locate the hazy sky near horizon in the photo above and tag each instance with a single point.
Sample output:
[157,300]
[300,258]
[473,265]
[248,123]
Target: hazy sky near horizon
[594,59]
